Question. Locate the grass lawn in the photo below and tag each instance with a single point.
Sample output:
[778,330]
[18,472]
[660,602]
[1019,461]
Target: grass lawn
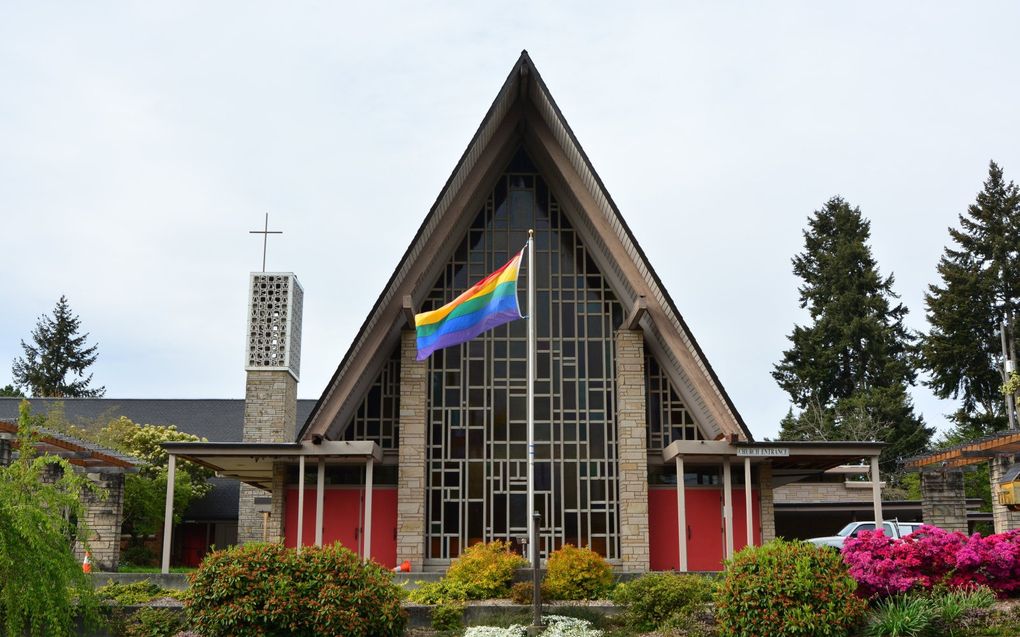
[127,568]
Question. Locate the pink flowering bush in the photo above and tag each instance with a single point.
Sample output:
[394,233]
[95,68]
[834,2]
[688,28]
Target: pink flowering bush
[932,556]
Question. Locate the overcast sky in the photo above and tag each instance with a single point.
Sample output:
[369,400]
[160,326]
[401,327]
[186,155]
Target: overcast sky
[140,142]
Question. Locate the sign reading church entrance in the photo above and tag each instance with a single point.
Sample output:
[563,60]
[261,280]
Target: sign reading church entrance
[623,394]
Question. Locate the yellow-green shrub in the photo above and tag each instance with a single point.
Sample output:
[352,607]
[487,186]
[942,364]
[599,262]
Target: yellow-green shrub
[577,573]
[484,571]
[654,600]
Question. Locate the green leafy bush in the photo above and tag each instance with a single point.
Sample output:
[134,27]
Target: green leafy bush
[485,570]
[901,616]
[439,592]
[260,589]
[138,555]
[154,622]
[42,587]
[448,616]
[785,589]
[576,573]
[134,593]
[650,600]
[523,592]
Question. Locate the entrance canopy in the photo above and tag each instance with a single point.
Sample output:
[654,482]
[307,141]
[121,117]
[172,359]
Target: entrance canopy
[790,461]
[973,452]
[252,462]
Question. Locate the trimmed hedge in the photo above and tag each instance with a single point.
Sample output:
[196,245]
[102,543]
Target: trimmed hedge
[576,573]
[265,589]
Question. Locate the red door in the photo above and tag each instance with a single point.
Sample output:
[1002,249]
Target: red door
[704,529]
[740,519]
[343,512]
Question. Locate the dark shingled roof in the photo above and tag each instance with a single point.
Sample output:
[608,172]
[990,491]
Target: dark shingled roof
[217,420]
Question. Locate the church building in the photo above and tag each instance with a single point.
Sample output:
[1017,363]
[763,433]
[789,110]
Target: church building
[640,453]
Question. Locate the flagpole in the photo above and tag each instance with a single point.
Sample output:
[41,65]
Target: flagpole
[532,536]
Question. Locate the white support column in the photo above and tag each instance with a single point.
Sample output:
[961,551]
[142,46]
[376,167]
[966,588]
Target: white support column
[168,515]
[749,509]
[300,503]
[367,527]
[681,512]
[320,487]
[876,492]
[727,475]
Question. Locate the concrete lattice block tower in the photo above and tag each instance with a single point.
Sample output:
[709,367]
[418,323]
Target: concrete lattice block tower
[272,362]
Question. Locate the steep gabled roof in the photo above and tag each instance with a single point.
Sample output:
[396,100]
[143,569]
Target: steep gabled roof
[524,113]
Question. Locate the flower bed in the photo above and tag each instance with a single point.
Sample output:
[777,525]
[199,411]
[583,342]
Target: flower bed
[931,557]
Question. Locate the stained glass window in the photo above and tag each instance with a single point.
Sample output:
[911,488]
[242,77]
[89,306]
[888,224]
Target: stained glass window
[477,410]
[378,415]
[668,417]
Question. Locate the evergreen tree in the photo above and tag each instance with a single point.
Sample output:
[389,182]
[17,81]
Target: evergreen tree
[10,391]
[848,371]
[55,352]
[979,287]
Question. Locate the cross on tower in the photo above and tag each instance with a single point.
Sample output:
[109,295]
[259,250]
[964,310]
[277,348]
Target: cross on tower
[265,232]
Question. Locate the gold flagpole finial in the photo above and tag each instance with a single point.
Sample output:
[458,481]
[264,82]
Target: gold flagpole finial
[531,233]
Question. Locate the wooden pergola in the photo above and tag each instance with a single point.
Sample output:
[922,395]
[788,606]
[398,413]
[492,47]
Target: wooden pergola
[973,452]
[80,453]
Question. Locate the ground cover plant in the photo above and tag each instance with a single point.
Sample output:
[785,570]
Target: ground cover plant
[787,589]
[267,589]
[932,557]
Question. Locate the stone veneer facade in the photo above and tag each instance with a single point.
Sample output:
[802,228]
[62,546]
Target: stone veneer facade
[845,491]
[943,501]
[1004,519]
[632,451]
[766,502]
[104,514]
[270,412]
[411,480]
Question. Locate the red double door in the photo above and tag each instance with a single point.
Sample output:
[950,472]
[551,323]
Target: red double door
[343,520]
[705,532]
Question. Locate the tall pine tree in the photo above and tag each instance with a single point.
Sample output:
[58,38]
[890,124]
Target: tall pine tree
[847,372]
[56,352]
[979,287]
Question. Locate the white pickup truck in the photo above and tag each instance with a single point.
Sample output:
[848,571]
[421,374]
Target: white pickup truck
[892,528]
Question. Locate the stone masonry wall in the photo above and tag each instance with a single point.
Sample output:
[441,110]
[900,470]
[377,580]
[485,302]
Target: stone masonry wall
[411,480]
[823,492]
[270,412]
[632,450]
[104,513]
[768,510]
[943,502]
[1004,519]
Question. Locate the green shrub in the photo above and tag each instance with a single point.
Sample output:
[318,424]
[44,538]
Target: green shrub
[524,592]
[260,589]
[138,555]
[154,622]
[132,594]
[901,616]
[952,607]
[485,571]
[439,592]
[785,589]
[576,573]
[448,616]
[650,600]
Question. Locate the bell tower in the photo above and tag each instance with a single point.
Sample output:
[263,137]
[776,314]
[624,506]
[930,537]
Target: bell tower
[272,363]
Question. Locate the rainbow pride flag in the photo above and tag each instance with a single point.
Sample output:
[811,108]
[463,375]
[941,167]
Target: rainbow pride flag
[488,303]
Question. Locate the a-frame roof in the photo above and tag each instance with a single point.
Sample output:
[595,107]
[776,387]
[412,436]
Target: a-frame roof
[524,113]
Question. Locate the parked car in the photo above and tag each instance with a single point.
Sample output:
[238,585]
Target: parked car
[892,528]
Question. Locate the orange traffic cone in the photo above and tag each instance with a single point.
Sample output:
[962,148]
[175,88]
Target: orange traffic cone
[86,564]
